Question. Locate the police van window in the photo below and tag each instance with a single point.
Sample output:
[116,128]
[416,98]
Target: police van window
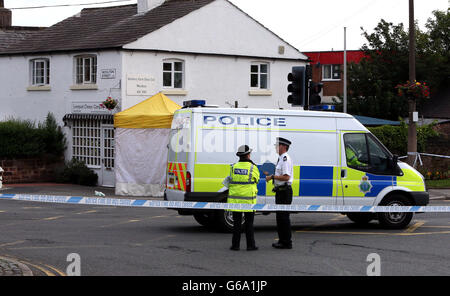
[379,157]
[356,152]
[365,153]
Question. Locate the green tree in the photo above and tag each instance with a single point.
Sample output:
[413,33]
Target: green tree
[372,82]
[53,136]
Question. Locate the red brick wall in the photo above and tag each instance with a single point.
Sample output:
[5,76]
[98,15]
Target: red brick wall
[330,88]
[29,170]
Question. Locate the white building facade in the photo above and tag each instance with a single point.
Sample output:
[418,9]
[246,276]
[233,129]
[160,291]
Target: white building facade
[215,52]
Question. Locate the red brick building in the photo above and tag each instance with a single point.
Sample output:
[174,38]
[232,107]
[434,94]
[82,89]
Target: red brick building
[328,68]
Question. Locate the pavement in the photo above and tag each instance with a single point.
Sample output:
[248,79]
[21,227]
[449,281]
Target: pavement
[12,267]
[439,194]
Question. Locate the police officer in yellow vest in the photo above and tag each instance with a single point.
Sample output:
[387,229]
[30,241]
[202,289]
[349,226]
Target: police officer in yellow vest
[352,159]
[242,184]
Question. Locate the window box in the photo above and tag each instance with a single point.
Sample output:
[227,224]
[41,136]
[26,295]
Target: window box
[84,86]
[259,92]
[175,92]
[39,88]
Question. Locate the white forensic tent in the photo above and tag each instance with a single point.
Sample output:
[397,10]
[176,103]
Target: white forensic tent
[141,138]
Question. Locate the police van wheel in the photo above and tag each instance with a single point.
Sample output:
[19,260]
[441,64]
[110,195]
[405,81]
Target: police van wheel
[205,219]
[395,220]
[360,218]
[224,220]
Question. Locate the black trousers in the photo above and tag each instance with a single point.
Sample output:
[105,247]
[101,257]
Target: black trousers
[284,197]
[237,228]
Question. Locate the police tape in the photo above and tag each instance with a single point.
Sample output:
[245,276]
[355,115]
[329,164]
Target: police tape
[148,203]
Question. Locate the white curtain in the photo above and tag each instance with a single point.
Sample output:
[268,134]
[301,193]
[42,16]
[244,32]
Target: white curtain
[141,160]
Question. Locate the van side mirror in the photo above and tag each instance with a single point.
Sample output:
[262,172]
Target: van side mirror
[395,159]
[394,165]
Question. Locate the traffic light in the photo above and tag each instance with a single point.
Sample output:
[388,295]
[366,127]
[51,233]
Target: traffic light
[298,87]
[314,93]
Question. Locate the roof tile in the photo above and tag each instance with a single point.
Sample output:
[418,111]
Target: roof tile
[105,27]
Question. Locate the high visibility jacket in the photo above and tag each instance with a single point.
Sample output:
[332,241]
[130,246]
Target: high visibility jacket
[352,159]
[244,178]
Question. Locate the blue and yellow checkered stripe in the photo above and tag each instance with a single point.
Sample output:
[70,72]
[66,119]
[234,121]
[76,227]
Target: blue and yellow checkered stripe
[317,181]
[308,180]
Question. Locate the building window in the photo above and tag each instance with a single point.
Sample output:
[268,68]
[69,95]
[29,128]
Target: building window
[259,75]
[40,72]
[331,72]
[86,69]
[173,74]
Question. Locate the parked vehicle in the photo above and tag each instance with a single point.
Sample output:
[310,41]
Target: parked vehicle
[337,161]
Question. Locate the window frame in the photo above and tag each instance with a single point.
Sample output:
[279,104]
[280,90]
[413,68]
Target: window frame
[369,169]
[92,58]
[33,72]
[332,71]
[172,72]
[259,73]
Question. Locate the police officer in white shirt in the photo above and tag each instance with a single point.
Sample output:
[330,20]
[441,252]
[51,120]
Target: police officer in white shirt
[284,175]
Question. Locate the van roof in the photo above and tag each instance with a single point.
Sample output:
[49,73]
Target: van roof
[260,111]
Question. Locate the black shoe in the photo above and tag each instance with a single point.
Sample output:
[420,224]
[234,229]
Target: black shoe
[234,248]
[252,248]
[281,246]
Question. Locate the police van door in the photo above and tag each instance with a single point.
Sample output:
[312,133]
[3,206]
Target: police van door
[364,168]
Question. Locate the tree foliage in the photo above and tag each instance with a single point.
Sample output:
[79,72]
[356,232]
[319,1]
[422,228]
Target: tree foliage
[372,82]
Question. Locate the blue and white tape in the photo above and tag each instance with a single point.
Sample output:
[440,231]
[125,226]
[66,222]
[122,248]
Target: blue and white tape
[145,203]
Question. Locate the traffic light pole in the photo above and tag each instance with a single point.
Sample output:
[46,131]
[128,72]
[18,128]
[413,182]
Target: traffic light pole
[308,87]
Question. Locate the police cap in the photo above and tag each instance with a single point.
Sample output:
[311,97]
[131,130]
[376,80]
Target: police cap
[283,141]
[243,150]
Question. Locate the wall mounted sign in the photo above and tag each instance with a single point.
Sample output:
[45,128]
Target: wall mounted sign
[108,73]
[88,108]
[140,85]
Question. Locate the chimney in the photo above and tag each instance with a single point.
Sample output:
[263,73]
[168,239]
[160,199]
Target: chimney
[146,5]
[5,16]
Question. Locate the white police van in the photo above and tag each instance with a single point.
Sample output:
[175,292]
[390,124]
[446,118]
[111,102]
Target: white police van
[204,141]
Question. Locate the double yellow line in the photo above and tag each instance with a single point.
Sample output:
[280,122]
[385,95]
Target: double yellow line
[44,268]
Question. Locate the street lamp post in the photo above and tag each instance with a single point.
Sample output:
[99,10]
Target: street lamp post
[412,130]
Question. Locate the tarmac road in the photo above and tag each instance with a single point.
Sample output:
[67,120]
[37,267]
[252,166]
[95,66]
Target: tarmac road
[143,241]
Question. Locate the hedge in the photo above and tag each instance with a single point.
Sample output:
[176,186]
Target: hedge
[395,138]
[22,139]
[76,172]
